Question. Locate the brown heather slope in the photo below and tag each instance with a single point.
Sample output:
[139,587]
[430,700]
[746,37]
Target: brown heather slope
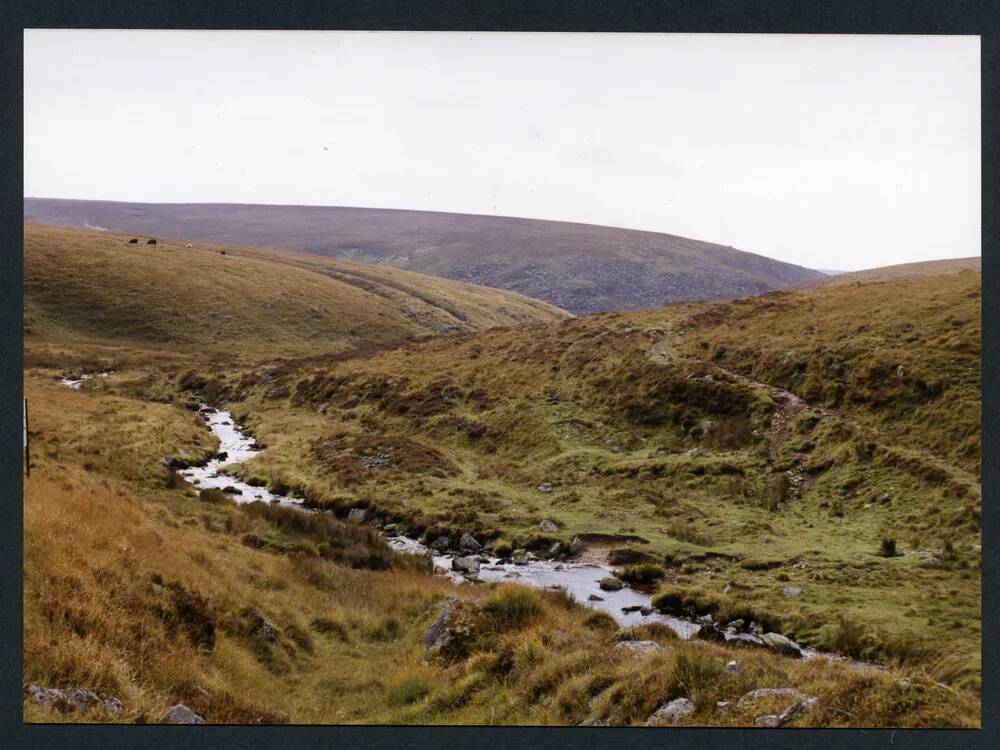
[89,285]
[897,272]
[579,267]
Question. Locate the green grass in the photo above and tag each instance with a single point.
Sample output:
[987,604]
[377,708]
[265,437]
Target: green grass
[639,445]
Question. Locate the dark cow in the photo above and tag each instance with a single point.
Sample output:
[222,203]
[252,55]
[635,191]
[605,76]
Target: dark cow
[150,242]
[133,241]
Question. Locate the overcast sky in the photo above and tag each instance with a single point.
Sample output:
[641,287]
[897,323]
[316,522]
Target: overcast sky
[831,152]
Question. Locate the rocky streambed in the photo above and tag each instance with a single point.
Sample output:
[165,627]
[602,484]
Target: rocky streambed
[589,583]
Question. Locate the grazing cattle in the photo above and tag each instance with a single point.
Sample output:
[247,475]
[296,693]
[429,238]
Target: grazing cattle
[133,241]
[150,242]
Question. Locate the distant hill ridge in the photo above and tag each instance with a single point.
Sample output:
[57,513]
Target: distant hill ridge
[93,285]
[898,272]
[579,267]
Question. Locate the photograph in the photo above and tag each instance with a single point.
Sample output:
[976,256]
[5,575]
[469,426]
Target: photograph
[447,378]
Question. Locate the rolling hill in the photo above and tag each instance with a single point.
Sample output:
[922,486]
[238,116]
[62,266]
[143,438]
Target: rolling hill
[85,284]
[897,272]
[578,267]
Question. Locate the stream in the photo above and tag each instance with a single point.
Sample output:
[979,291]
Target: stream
[581,580]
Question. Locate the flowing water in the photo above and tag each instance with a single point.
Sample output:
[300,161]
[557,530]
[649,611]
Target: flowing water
[581,580]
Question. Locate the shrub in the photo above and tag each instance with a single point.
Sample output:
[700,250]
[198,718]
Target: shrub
[387,630]
[647,573]
[410,690]
[887,548]
[331,627]
[213,496]
[600,621]
[512,607]
[502,548]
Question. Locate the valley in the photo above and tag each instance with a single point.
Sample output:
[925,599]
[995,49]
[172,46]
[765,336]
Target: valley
[801,463]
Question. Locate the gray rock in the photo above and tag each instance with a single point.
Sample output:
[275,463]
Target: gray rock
[545,487]
[181,714]
[595,598]
[441,543]
[646,611]
[746,639]
[555,549]
[358,515]
[576,546]
[780,644]
[468,564]
[469,543]
[733,667]
[791,591]
[736,624]
[801,707]
[641,648]
[437,635]
[611,583]
[791,694]
[519,557]
[771,721]
[670,713]
[594,723]
[931,562]
[723,706]
[548,526]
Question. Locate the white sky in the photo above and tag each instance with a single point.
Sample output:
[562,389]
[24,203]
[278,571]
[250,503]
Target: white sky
[832,152]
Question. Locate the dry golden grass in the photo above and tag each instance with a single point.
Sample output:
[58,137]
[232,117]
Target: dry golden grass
[85,285]
[149,595]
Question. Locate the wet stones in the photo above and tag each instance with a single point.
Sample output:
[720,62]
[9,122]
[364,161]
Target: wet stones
[469,543]
[611,583]
[468,564]
[519,557]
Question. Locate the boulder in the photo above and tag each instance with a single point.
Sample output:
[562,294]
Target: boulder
[72,699]
[723,706]
[230,490]
[780,644]
[646,611]
[671,713]
[576,546]
[733,667]
[181,714]
[469,543]
[770,720]
[519,557]
[595,598]
[736,624]
[555,549]
[441,543]
[468,564]
[610,583]
[791,694]
[437,636]
[357,515]
[791,591]
[545,487]
[548,527]
[641,648]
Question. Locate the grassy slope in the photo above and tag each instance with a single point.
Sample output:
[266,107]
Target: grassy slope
[579,267]
[92,285]
[612,411]
[135,588]
[898,272]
